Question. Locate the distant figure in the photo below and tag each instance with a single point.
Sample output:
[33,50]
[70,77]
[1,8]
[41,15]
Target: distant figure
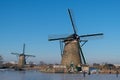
[89,73]
[117,73]
[83,73]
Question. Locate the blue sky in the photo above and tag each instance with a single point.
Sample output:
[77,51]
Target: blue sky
[31,21]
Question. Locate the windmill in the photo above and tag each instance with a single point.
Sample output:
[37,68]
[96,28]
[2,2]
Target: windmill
[22,57]
[72,52]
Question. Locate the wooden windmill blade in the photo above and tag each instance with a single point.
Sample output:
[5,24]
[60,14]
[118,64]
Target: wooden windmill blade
[15,54]
[82,55]
[24,48]
[84,60]
[58,37]
[29,55]
[61,47]
[72,22]
[65,37]
[90,35]
[53,39]
[24,52]
[26,55]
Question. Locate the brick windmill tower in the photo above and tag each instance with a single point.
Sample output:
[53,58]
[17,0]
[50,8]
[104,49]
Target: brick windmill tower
[22,57]
[72,52]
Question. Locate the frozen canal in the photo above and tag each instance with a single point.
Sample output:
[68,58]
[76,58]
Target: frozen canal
[36,75]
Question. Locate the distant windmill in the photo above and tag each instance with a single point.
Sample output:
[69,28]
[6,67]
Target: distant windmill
[71,51]
[22,57]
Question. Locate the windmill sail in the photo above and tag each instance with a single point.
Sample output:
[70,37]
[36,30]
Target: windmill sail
[82,55]
[15,54]
[61,48]
[73,25]
[58,37]
[90,35]
[24,48]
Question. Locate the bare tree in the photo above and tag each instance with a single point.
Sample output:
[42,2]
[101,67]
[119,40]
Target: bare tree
[1,59]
